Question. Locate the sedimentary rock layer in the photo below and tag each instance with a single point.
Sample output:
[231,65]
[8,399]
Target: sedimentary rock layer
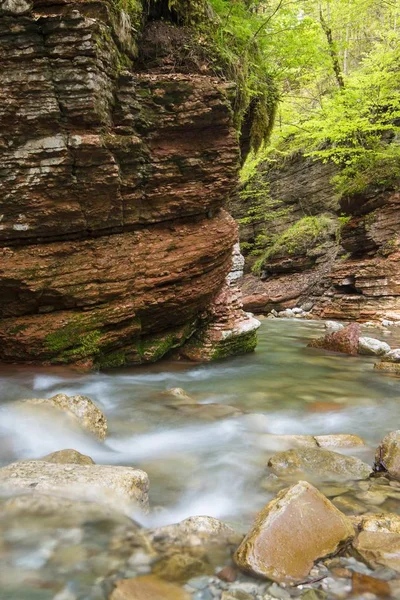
[349,272]
[112,237]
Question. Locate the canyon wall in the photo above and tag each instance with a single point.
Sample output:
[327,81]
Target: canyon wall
[337,256]
[116,163]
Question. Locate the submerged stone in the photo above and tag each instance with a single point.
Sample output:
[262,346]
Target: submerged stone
[273,442]
[294,530]
[378,540]
[208,411]
[194,532]
[147,587]
[339,440]
[365,584]
[318,464]
[81,408]
[387,456]
[393,356]
[117,487]
[68,457]
[388,367]
[333,326]
[179,396]
[181,567]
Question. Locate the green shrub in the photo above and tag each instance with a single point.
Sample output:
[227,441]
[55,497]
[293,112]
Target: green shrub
[297,239]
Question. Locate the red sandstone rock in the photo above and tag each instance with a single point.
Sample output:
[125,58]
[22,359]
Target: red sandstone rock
[344,341]
[112,237]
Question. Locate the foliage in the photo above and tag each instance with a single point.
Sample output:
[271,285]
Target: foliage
[355,126]
[228,32]
[297,239]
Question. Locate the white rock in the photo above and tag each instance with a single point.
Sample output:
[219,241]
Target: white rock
[393,356]
[117,487]
[333,326]
[386,323]
[298,311]
[372,347]
[286,314]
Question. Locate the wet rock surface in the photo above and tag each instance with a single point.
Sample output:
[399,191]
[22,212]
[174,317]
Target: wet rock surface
[80,408]
[387,457]
[291,532]
[119,487]
[352,277]
[113,237]
[378,541]
[58,544]
[345,341]
[67,457]
[319,464]
[372,347]
[147,588]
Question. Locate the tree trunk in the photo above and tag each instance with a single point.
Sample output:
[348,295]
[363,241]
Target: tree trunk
[332,50]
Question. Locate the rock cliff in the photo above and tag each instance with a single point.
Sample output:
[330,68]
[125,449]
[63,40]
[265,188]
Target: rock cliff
[338,256]
[116,162]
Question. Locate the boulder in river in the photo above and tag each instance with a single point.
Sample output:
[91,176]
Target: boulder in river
[81,408]
[339,440]
[378,540]
[372,347]
[118,487]
[387,456]
[194,532]
[179,396]
[393,356]
[386,366]
[318,464]
[344,341]
[295,529]
[148,587]
[333,326]
[181,567]
[68,457]
[208,412]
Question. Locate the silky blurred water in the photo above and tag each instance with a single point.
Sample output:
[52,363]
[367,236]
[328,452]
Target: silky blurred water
[201,466]
[197,466]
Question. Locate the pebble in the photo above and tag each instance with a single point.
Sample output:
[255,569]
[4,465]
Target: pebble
[227,574]
[199,583]
[203,595]
[277,592]
[339,587]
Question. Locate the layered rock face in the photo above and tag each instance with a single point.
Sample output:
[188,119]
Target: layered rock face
[348,271]
[113,239]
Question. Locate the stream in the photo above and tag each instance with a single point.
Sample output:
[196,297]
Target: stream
[198,465]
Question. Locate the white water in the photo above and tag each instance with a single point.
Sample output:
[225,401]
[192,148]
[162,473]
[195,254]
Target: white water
[203,467]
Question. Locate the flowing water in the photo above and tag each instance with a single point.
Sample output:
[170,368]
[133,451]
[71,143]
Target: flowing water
[202,466]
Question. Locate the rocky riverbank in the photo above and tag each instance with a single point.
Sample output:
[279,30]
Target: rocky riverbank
[331,529]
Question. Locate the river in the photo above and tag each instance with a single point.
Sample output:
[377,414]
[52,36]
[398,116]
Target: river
[206,466]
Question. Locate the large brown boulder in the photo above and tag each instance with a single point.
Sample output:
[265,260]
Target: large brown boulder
[387,456]
[345,341]
[295,529]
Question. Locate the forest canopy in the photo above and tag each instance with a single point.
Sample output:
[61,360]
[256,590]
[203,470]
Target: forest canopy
[336,65]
